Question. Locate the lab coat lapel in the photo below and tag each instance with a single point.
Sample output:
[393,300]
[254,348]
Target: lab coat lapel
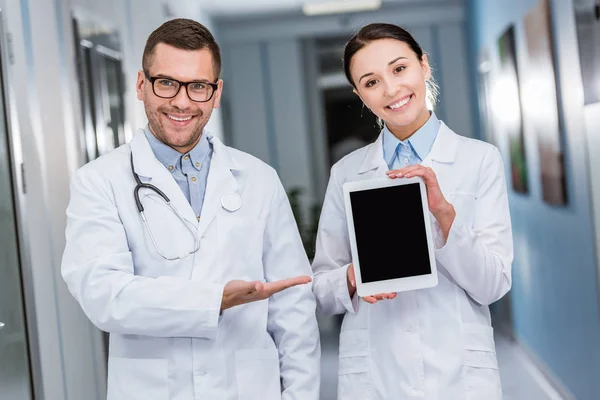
[374,162]
[220,181]
[444,147]
[150,170]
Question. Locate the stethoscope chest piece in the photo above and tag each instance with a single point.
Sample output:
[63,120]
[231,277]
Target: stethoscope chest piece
[231,201]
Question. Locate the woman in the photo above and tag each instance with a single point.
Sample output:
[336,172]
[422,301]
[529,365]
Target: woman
[433,343]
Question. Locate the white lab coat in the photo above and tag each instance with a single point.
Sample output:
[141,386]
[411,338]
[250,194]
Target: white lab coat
[434,344]
[167,339]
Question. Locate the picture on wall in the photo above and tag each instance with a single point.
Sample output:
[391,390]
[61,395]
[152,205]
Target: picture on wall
[508,108]
[587,19]
[484,86]
[540,102]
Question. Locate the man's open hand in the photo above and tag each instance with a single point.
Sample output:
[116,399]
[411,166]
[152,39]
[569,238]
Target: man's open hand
[241,292]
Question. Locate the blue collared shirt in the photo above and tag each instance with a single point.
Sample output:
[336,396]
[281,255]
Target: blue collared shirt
[190,170]
[400,153]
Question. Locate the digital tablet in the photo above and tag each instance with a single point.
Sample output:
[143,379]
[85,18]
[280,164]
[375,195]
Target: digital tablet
[390,235]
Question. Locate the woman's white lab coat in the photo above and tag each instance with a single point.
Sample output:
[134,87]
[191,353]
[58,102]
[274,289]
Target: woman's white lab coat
[434,344]
[167,339]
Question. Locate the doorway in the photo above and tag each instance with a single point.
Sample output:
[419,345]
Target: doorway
[349,125]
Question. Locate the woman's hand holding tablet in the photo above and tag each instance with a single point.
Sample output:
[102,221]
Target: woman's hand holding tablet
[390,235]
[441,209]
[369,299]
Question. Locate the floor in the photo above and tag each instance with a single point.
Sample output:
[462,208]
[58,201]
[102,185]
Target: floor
[520,378]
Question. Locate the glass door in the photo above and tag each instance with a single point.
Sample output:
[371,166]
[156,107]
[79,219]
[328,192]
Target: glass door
[15,374]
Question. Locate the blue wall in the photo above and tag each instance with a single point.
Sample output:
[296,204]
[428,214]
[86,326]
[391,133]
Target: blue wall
[555,291]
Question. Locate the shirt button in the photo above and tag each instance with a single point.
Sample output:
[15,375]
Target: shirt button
[171,168]
[405,160]
[198,164]
[186,157]
[193,179]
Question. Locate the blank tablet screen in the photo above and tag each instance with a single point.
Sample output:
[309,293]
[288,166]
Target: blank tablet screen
[390,232]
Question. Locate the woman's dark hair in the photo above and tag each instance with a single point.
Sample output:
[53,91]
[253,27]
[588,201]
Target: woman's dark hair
[184,34]
[372,32]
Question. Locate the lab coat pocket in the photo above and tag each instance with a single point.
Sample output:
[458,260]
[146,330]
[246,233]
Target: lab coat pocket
[354,381]
[480,371]
[137,379]
[257,374]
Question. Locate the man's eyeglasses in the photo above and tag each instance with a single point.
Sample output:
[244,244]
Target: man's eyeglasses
[168,88]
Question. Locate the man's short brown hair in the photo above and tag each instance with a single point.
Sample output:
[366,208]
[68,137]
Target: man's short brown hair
[184,34]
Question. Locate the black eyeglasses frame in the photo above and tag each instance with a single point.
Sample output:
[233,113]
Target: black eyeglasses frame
[214,86]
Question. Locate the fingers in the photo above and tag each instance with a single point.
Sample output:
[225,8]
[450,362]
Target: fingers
[404,172]
[399,173]
[258,287]
[384,296]
[413,170]
[241,287]
[378,297]
[297,280]
[350,275]
[239,292]
[271,288]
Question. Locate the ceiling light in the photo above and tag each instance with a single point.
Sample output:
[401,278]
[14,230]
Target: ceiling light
[340,6]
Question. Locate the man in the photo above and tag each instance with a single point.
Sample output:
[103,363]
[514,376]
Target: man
[186,250]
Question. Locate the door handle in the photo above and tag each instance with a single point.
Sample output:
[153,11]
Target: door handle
[2,325]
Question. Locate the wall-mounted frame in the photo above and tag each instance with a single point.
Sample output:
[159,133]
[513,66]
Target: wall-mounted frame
[508,93]
[540,102]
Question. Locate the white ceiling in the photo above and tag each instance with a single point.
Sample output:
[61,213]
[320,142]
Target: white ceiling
[231,8]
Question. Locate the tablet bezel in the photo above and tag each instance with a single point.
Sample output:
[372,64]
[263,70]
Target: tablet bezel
[397,284]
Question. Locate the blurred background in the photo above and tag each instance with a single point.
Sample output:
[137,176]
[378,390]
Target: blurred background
[521,74]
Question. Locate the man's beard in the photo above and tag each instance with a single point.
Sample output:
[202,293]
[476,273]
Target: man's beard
[158,129]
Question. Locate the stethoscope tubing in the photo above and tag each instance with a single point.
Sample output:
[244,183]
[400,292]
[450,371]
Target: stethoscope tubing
[139,185]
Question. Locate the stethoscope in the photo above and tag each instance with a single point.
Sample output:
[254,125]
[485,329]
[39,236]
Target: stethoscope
[229,201]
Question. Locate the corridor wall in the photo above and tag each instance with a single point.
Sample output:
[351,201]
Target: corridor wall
[555,287]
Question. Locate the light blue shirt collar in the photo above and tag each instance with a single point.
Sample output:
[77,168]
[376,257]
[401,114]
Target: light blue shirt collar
[169,157]
[421,141]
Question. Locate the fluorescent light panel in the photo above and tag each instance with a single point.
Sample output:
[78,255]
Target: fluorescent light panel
[340,6]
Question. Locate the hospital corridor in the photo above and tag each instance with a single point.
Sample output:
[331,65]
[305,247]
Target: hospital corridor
[299,199]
